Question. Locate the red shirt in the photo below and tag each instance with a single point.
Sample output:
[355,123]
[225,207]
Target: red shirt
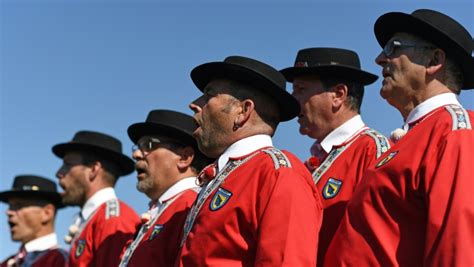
[54,257]
[160,244]
[261,215]
[337,184]
[415,207]
[103,238]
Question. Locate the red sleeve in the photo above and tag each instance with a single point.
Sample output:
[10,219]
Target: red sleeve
[290,238]
[450,201]
[111,236]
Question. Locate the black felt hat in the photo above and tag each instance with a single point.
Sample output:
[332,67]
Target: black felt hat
[175,125]
[436,27]
[329,62]
[104,145]
[255,73]
[33,186]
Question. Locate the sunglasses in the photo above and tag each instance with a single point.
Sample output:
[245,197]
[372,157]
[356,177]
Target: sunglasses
[146,145]
[393,45]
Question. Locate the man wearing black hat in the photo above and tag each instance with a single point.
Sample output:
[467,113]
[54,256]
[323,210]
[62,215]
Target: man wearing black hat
[329,85]
[260,206]
[167,163]
[92,163]
[33,202]
[414,207]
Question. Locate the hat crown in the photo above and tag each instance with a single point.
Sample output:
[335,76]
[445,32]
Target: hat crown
[259,67]
[33,183]
[315,57]
[97,139]
[173,119]
[448,26]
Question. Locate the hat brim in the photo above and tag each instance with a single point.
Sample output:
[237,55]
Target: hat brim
[203,74]
[365,78]
[54,197]
[125,164]
[137,130]
[389,24]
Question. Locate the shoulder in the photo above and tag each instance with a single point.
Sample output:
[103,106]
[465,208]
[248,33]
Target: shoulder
[53,257]
[187,197]
[375,140]
[444,122]
[459,118]
[115,210]
[280,159]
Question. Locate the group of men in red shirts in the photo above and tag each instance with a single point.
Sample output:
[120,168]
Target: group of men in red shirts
[221,194]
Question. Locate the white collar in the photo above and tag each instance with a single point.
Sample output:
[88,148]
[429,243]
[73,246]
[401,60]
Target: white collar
[343,133]
[42,243]
[178,187]
[431,104]
[94,202]
[244,147]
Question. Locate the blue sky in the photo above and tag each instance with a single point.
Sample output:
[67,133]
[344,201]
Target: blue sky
[103,65]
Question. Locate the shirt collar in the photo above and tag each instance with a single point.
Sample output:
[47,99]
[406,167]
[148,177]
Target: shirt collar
[94,202]
[342,133]
[244,147]
[178,187]
[42,243]
[431,104]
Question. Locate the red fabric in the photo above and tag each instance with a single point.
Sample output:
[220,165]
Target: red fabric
[52,258]
[163,249]
[271,219]
[105,238]
[347,168]
[417,209]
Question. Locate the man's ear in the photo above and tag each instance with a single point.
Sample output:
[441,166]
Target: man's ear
[95,168]
[47,213]
[186,156]
[437,61]
[340,92]
[247,106]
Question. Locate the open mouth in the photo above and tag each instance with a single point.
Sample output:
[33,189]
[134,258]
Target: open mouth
[140,169]
[11,224]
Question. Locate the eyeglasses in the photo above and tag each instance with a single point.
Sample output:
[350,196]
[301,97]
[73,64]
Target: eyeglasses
[391,46]
[147,145]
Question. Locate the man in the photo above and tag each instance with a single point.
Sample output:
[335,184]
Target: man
[33,202]
[329,85]
[262,207]
[167,163]
[92,163]
[414,207]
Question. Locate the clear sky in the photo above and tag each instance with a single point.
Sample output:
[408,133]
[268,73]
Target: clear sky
[103,65]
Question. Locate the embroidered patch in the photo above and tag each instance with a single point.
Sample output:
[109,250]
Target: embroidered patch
[156,231]
[81,245]
[331,188]
[386,159]
[221,197]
